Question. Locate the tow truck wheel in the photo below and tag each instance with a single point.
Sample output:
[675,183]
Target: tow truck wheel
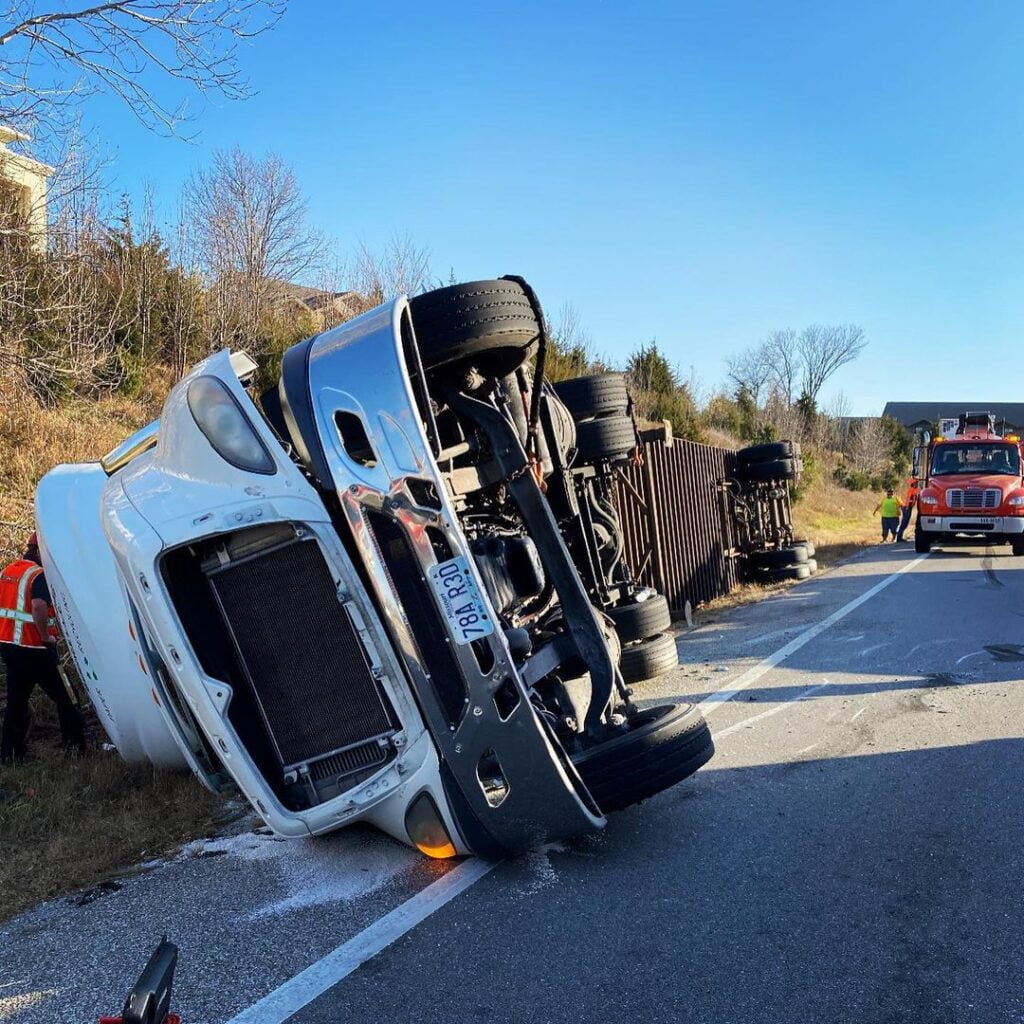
[493,320]
[649,658]
[641,619]
[923,544]
[1018,547]
[664,745]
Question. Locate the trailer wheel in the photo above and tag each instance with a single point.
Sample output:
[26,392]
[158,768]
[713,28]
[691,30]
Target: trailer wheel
[780,575]
[597,395]
[805,544]
[641,619]
[778,559]
[812,565]
[776,469]
[923,544]
[766,452]
[664,745]
[649,658]
[610,438]
[492,319]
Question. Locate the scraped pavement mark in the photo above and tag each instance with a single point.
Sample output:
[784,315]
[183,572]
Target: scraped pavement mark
[324,974]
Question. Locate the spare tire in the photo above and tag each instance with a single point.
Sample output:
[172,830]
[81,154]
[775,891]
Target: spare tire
[764,452]
[649,658]
[641,619]
[778,559]
[664,745]
[776,469]
[598,395]
[610,438]
[491,320]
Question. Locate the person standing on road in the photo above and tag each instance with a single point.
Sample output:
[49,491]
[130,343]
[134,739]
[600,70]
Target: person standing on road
[28,647]
[909,501]
[890,507]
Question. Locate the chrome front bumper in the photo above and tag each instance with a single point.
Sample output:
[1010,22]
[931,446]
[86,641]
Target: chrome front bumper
[399,513]
[997,525]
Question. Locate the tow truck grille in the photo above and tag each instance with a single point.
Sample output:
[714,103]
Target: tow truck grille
[301,654]
[973,497]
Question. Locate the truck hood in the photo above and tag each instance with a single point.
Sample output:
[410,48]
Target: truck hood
[1000,481]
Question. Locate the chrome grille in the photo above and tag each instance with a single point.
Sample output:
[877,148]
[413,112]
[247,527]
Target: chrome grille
[973,497]
[300,652]
[345,762]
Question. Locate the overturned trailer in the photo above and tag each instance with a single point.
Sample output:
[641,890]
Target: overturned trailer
[365,594]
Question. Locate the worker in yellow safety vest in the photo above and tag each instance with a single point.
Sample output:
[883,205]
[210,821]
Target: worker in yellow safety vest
[28,647]
[890,507]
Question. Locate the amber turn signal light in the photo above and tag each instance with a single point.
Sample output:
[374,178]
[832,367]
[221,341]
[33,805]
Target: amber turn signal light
[426,829]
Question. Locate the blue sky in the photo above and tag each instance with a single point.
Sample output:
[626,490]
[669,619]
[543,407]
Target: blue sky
[695,173]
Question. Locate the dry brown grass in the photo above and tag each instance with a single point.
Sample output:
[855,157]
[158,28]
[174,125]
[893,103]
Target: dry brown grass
[34,439]
[838,521]
[74,823]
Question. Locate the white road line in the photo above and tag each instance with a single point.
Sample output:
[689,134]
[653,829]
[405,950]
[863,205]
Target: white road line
[316,979]
[859,713]
[803,695]
[762,668]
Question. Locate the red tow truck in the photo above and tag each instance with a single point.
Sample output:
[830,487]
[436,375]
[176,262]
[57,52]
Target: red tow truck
[972,489]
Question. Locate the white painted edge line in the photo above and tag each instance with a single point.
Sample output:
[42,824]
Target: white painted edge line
[722,696]
[307,985]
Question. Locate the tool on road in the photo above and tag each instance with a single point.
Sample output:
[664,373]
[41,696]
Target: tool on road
[149,1002]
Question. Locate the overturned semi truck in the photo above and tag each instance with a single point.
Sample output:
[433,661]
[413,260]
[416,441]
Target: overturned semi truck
[366,594]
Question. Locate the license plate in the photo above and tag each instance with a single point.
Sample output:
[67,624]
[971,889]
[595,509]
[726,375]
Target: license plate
[460,600]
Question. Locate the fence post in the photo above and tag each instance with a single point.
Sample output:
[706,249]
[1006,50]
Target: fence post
[651,501]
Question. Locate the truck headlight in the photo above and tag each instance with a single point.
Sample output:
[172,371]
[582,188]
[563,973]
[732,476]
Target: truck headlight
[929,499]
[220,418]
[1017,500]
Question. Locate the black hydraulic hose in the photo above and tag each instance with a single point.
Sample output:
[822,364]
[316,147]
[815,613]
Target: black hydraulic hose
[542,351]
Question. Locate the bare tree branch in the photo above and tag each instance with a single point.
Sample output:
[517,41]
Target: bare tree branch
[48,56]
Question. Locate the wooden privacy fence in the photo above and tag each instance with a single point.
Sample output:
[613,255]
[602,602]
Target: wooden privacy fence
[677,520]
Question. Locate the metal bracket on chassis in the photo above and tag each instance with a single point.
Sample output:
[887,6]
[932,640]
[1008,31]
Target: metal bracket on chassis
[543,530]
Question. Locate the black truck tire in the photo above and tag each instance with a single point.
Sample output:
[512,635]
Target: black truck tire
[649,658]
[766,452]
[610,438]
[805,544]
[665,744]
[775,469]
[923,543]
[1017,547]
[788,572]
[492,319]
[599,395]
[778,559]
[812,565]
[641,619]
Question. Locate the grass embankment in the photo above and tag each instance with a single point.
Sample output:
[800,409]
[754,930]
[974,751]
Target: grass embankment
[838,521]
[71,823]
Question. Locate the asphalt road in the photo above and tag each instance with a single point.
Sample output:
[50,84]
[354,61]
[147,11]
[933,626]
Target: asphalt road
[852,853]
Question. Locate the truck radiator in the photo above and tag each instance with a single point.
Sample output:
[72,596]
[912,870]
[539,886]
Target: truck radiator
[302,657]
[973,498]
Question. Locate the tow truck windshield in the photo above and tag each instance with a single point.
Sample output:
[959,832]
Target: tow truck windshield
[992,458]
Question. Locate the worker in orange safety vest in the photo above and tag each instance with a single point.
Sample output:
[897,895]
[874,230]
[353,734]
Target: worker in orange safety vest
[909,501]
[28,647]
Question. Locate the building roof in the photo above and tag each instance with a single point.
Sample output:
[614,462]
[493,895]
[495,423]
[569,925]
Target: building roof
[909,413]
